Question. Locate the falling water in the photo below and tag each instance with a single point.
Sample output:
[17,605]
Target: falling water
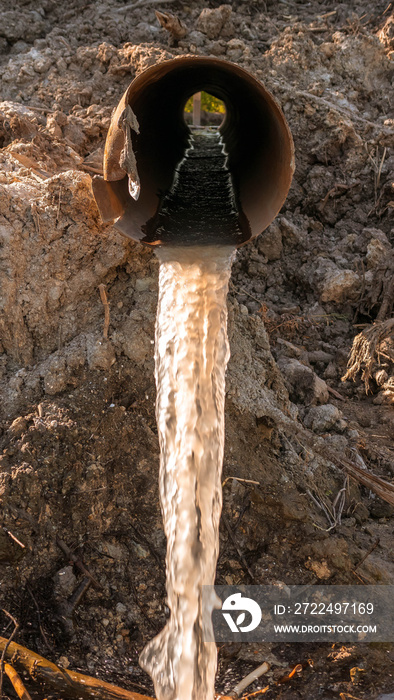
[191,357]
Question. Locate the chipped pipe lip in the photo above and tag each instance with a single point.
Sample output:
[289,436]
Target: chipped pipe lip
[108,191]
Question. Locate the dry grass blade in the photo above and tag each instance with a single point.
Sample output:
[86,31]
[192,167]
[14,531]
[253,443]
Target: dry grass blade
[365,349]
[104,300]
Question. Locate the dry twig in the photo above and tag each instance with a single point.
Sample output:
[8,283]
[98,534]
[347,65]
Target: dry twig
[333,513]
[371,549]
[103,296]
[262,691]
[243,481]
[77,562]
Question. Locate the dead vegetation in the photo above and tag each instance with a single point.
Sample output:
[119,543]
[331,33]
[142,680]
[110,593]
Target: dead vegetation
[367,354]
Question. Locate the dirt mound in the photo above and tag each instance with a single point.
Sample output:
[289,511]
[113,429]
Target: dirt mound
[79,456]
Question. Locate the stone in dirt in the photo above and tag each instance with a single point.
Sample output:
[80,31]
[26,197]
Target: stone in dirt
[216,22]
[302,382]
[322,418]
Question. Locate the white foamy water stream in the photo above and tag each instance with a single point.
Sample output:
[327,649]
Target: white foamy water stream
[191,357]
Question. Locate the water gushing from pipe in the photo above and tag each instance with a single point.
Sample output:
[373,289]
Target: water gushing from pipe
[194,199]
[192,352]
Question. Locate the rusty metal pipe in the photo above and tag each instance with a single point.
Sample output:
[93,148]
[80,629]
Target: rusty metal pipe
[148,137]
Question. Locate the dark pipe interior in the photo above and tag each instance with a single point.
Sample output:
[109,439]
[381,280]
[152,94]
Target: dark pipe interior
[255,133]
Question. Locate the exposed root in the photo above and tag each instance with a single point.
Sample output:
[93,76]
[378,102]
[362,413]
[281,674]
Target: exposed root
[365,351]
[250,678]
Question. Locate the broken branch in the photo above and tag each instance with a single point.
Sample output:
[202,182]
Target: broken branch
[71,683]
[16,682]
[7,643]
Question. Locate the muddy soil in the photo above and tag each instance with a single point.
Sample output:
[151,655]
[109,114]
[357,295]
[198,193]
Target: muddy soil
[79,450]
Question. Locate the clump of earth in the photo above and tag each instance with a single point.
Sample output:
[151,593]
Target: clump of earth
[79,450]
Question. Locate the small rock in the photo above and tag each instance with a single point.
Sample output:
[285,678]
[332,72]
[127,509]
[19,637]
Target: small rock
[270,242]
[321,419]
[65,581]
[341,425]
[145,32]
[320,356]
[63,661]
[340,285]
[303,384]
[197,38]
[17,24]
[42,64]
[134,341]
[216,22]
[327,49]
[101,354]
[333,550]
[235,49]
[120,609]
[381,509]
[376,254]
[290,232]
[142,284]
[217,48]
[320,568]
[140,551]
[55,379]
[113,550]
[353,434]
[17,427]
[361,513]
[55,122]
[331,371]
[336,442]
[288,348]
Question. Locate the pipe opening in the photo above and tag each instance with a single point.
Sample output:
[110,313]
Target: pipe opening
[149,141]
[204,109]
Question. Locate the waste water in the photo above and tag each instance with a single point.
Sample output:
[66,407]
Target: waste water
[191,356]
